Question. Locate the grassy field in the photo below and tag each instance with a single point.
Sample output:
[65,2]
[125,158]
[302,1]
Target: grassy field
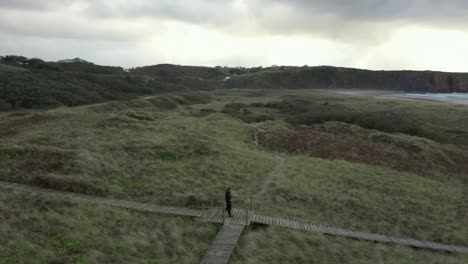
[362,197]
[41,230]
[8,68]
[276,245]
[441,122]
[323,158]
[164,156]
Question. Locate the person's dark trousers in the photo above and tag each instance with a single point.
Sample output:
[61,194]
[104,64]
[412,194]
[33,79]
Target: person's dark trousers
[229,207]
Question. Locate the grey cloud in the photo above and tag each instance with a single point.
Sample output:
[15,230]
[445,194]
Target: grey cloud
[372,10]
[108,19]
[34,4]
[63,25]
[193,11]
[356,20]
[342,15]
[296,12]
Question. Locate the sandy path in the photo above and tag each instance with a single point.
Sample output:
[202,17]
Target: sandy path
[277,170]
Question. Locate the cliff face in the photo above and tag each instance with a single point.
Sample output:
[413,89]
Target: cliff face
[330,77]
[423,81]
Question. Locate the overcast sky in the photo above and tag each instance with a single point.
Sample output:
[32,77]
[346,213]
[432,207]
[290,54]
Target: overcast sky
[374,34]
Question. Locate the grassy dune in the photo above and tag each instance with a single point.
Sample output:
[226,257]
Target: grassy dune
[169,157]
[41,230]
[9,68]
[276,245]
[368,198]
[182,149]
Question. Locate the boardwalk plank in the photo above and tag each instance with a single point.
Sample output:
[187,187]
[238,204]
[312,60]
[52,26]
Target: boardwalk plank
[223,245]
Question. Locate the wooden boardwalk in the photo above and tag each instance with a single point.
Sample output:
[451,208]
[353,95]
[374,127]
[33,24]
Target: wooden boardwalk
[328,230]
[221,249]
[240,218]
[77,197]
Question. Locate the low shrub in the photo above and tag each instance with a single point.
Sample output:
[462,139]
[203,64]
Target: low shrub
[39,140]
[195,98]
[69,183]
[301,112]
[167,155]
[235,106]
[143,116]
[10,150]
[163,102]
[207,110]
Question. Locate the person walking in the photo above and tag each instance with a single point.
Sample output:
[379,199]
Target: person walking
[228,197]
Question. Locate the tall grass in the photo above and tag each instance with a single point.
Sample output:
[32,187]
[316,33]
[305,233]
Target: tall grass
[41,230]
[276,245]
[173,155]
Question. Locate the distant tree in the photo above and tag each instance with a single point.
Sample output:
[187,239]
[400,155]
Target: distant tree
[235,71]
[33,61]
[13,59]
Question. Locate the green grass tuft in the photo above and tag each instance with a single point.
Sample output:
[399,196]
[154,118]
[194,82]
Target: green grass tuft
[10,151]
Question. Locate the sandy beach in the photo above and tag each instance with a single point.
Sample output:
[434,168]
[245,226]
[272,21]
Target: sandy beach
[451,98]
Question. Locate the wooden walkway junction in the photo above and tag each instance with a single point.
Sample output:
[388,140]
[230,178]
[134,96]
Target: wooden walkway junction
[219,215]
[227,238]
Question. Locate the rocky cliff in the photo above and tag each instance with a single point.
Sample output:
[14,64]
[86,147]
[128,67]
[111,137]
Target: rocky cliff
[331,77]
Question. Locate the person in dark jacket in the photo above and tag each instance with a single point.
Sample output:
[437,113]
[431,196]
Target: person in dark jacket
[227,197]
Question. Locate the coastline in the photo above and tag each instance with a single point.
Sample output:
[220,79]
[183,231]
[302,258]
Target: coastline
[386,94]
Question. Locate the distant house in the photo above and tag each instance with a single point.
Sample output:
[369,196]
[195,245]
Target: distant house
[72,60]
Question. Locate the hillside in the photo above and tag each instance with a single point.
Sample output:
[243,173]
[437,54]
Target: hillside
[300,154]
[178,77]
[36,84]
[325,77]
[33,83]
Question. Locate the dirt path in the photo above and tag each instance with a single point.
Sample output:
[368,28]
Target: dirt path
[277,170]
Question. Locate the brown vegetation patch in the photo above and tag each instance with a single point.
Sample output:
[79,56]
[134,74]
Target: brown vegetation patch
[12,126]
[335,140]
[241,111]
[35,160]
[195,98]
[50,168]
[70,183]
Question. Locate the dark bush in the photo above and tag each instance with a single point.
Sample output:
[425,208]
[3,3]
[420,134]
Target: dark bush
[4,105]
[257,105]
[388,122]
[303,112]
[168,156]
[235,106]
